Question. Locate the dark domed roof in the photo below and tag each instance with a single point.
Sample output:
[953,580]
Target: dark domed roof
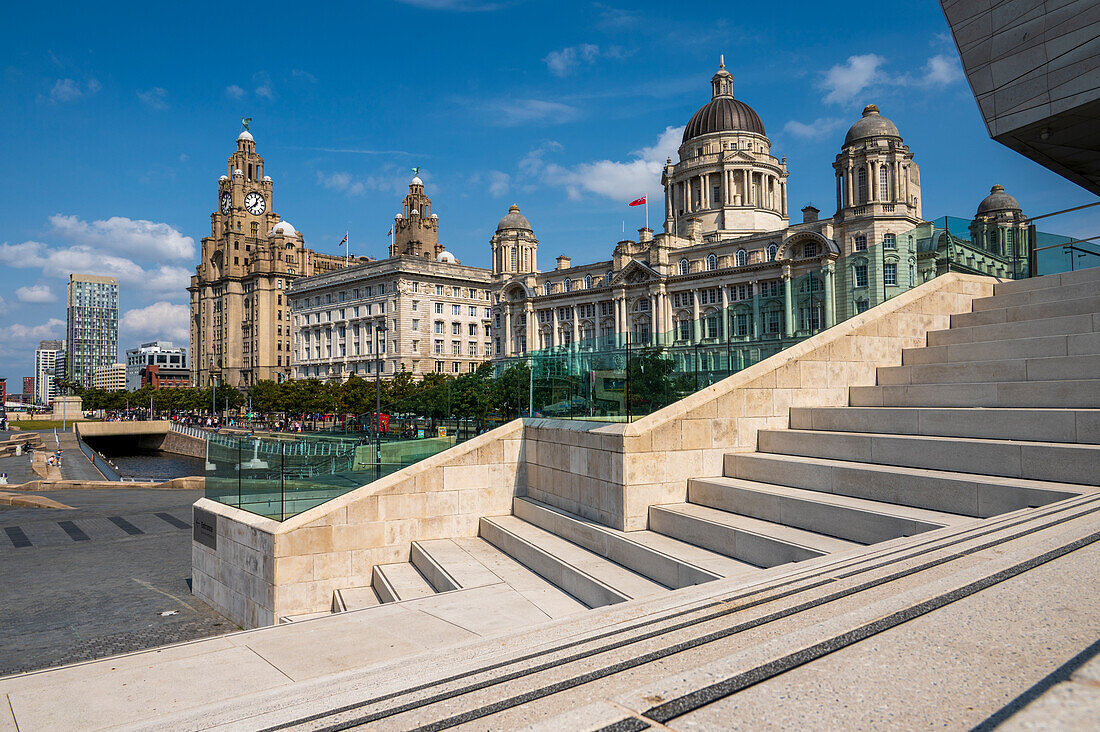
[514,220]
[997,200]
[723,114]
[872,124]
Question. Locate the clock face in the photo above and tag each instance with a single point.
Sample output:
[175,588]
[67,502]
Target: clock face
[227,199]
[255,203]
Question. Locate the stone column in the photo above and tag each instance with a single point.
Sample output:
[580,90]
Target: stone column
[788,303]
[830,294]
[554,336]
[839,199]
[532,344]
[576,328]
[851,187]
[508,336]
[783,197]
[654,304]
[696,328]
[755,287]
[724,315]
[704,189]
[725,187]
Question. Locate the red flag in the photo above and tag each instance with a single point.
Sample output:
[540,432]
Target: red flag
[343,240]
[390,231]
[637,202]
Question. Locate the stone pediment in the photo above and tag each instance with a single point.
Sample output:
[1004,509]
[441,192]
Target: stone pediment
[635,272]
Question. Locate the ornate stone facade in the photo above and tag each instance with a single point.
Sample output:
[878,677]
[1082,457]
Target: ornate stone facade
[729,275]
[240,312]
[434,308]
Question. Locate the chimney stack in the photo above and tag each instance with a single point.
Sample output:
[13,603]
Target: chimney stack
[563,262]
[809,214]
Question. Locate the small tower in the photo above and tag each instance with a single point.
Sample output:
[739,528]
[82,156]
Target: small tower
[416,228]
[514,245]
[875,171]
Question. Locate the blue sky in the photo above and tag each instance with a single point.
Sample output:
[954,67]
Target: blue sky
[117,122]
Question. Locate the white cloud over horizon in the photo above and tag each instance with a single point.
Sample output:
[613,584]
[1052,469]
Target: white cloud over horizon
[866,73]
[818,129]
[162,320]
[614,179]
[125,236]
[35,294]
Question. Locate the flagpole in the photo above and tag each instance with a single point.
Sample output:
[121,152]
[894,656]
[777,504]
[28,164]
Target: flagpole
[647,211]
[347,247]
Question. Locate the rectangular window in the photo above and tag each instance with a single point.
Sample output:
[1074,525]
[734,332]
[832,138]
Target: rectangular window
[861,275]
[861,306]
[415,324]
[712,326]
[890,241]
[772,320]
[890,274]
[859,243]
[439,308]
[456,310]
[741,324]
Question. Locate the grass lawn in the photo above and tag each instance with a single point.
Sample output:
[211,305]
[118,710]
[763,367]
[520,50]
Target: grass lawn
[45,424]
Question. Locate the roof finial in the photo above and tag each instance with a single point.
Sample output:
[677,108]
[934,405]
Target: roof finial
[722,61]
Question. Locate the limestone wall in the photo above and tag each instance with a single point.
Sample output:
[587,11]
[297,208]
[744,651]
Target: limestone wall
[337,544]
[611,473]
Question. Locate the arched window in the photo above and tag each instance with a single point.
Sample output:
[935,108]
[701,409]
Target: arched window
[773,249]
[883,186]
[607,279]
[684,267]
[861,186]
[810,250]
[547,288]
[741,258]
[568,285]
[588,282]
[712,262]
[515,259]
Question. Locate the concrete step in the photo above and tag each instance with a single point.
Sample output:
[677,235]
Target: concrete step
[1065,394]
[1066,325]
[854,519]
[592,579]
[545,596]
[1001,299]
[714,562]
[618,546]
[447,566]
[354,598]
[755,541]
[937,490]
[1082,277]
[1046,425]
[399,581]
[1053,461]
[1055,368]
[1079,305]
[1078,344]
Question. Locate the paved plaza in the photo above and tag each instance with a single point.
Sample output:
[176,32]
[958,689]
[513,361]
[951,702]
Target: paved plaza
[93,581]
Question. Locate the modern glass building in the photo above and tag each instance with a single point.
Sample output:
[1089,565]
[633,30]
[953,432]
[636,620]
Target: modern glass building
[92,326]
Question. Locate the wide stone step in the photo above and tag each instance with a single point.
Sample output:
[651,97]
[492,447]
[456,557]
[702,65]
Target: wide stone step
[354,598]
[447,566]
[1001,299]
[1080,305]
[1056,368]
[1046,425]
[399,581]
[592,579]
[1066,325]
[1053,461]
[747,539]
[1063,279]
[549,598]
[1078,344]
[854,519]
[618,546]
[1064,394]
[937,490]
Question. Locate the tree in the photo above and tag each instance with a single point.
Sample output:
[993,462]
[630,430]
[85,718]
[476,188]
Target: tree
[265,396]
[356,396]
[510,391]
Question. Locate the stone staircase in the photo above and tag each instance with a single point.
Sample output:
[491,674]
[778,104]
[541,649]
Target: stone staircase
[996,414]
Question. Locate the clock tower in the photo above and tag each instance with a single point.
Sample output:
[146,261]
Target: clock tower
[240,315]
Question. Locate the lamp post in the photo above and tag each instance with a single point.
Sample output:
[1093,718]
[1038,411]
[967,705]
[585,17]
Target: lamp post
[379,330]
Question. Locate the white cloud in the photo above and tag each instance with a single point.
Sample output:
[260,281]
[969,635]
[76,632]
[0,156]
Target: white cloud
[234,92]
[941,70]
[155,98]
[565,61]
[68,90]
[498,183]
[303,74]
[138,237]
[159,320]
[264,88]
[62,261]
[617,180]
[512,112]
[3,306]
[816,130]
[17,332]
[353,185]
[35,293]
[844,82]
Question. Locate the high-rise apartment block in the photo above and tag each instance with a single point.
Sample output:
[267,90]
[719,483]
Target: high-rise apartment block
[47,358]
[92,326]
